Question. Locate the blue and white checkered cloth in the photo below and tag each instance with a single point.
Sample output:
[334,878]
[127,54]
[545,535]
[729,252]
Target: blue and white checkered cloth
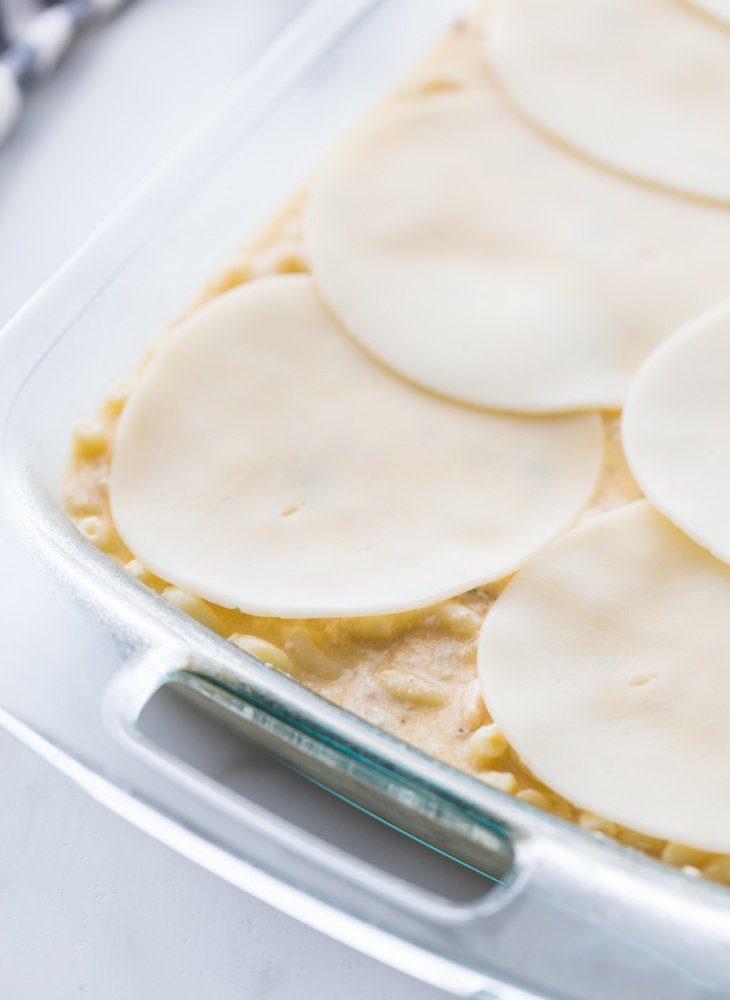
[34,35]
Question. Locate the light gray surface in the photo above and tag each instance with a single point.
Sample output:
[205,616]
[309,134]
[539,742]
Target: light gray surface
[89,906]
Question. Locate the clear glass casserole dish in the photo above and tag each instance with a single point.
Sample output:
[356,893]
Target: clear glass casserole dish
[569,915]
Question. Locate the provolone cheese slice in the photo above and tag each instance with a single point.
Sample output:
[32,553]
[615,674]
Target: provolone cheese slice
[606,661]
[676,430]
[717,8]
[265,462]
[483,261]
[640,85]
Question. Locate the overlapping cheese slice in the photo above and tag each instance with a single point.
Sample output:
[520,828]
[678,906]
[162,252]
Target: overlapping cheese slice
[482,260]
[265,462]
[606,663]
[641,85]
[676,430]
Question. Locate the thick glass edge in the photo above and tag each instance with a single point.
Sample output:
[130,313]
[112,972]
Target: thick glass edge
[348,929]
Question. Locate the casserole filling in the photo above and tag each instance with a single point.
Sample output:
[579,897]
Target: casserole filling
[479,292]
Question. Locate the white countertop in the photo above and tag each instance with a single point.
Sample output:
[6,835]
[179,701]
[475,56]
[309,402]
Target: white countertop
[89,906]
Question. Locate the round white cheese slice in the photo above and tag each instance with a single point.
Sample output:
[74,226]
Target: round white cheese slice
[676,430]
[265,462]
[605,662]
[483,261]
[640,85]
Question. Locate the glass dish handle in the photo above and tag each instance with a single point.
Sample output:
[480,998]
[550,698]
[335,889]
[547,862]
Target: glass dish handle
[562,923]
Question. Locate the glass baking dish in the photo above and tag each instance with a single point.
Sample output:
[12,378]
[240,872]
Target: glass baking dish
[568,915]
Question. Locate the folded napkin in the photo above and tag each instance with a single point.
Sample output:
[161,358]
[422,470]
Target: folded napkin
[34,35]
